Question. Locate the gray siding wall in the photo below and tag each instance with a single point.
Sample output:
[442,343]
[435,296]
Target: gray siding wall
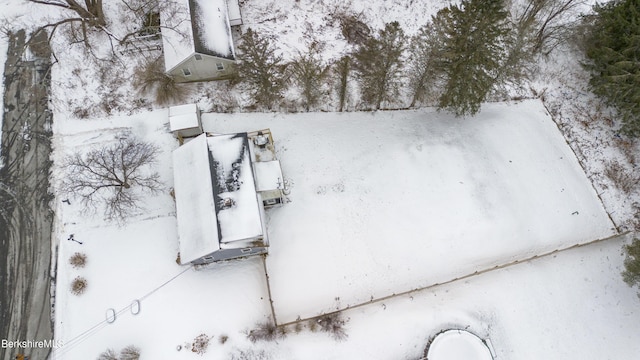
[203,70]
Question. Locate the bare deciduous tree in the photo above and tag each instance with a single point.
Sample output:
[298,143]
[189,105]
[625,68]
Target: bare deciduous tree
[113,176]
[141,17]
[151,79]
[545,22]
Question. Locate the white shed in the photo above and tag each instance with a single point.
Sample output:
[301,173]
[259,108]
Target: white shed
[184,120]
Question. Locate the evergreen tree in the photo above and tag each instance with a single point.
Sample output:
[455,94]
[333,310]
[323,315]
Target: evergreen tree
[423,72]
[261,69]
[614,53]
[309,72]
[378,62]
[473,53]
[460,54]
[631,273]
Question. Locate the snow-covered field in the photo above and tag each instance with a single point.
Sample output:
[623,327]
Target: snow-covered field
[380,203]
[383,203]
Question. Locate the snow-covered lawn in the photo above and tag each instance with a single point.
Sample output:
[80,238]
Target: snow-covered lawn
[567,306]
[380,203]
[135,262]
[387,202]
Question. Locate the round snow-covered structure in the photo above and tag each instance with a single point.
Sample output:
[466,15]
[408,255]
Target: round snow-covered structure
[458,345]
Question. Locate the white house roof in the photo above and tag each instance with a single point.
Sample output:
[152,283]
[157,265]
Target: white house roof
[196,26]
[195,206]
[209,171]
[235,181]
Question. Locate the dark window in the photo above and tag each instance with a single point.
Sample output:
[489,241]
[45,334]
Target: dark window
[186,72]
[246,250]
[198,57]
[220,66]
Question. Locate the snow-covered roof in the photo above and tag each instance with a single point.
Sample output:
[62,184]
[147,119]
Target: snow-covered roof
[268,175]
[210,172]
[234,175]
[195,204]
[196,26]
[183,117]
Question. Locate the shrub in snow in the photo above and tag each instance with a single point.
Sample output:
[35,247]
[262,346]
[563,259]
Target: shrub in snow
[313,325]
[264,331]
[333,324]
[108,355]
[223,338]
[621,177]
[250,355]
[200,344]
[631,273]
[130,353]
[78,285]
[78,260]
[354,29]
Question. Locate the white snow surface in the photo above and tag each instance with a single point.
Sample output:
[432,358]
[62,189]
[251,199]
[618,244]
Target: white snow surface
[383,203]
[268,175]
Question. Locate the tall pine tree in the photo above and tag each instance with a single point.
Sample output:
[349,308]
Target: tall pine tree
[378,62]
[614,53]
[461,52]
[260,69]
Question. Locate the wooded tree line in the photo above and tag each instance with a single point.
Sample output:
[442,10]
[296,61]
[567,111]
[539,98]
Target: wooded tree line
[462,55]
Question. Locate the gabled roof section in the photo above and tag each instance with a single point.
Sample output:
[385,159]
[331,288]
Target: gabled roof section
[195,26]
[211,29]
[234,184]
[195,206]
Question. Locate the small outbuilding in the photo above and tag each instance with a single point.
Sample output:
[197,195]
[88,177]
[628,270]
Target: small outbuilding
[219,205]
[197,40]
[184,120]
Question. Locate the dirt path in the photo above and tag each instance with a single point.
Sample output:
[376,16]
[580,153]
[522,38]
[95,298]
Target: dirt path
[25,215]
